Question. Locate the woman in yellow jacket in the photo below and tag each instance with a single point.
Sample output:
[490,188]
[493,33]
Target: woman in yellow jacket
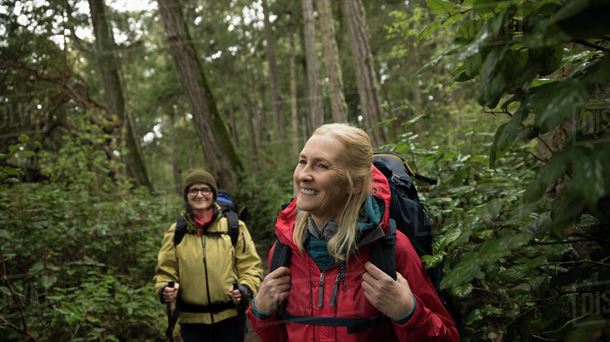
[204,264]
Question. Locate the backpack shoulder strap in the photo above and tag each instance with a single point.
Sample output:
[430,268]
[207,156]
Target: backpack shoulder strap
[180,230]
[281,256]
[383,251]
[233,223]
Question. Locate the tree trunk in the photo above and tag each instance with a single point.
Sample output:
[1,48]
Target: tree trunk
[331,61]
[218,151]
[315,102]
[362,59]
[276,99]
[294,137]
[233,126]
[110,69]
[176,172]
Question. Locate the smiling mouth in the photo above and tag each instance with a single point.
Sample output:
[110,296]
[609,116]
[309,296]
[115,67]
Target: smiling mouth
[309,192]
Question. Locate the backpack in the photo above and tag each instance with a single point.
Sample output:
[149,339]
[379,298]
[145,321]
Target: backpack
[407,214]
[228,209]
[406,210]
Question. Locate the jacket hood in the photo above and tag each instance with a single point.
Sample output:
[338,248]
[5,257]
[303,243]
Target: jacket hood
[287,217]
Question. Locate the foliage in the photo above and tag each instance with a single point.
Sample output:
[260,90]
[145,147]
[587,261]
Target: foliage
[85,161]
[518,246]
[80,265]
[263,192]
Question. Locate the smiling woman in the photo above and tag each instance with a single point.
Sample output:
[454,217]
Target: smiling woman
[206,297]
[340,214]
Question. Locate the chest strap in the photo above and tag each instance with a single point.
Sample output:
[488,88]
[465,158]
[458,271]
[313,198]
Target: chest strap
[210,308]
[353,325]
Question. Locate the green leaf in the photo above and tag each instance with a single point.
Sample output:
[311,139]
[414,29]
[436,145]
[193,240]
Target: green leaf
[468,31]
[590,173]
[433,260]
[468,269]
[494,77]
[557,102]
[46,281]
[493,151]
[5,291]
[554,168]
[428,31]
[492,251]
[462,291]
[441,6]
[484,6]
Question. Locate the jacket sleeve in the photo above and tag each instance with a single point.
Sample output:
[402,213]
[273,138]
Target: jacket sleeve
[271,329]
[430,321]
[167,264]
[247,261]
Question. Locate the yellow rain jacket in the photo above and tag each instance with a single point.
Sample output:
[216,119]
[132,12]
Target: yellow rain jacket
[206,267]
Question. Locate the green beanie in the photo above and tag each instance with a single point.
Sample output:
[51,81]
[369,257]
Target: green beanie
[200,176]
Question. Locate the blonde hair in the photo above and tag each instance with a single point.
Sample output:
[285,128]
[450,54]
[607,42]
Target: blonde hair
[354,165]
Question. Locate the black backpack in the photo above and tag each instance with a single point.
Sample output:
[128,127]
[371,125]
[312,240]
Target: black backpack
[407,214]
[228,209]
[406,210]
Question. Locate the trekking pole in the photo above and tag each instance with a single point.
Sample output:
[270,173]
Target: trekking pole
[170,326]
[241,321]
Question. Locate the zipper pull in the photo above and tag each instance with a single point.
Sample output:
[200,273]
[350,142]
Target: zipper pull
[333,298]
[321,291]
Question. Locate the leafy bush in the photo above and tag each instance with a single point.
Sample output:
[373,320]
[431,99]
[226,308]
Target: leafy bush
[524,238]
[81,265]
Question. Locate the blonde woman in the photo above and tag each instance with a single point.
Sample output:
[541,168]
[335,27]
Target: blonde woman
[333,291]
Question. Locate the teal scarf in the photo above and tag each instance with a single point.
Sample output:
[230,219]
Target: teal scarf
[369,217]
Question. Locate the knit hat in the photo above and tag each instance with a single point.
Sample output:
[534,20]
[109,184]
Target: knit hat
[200,176]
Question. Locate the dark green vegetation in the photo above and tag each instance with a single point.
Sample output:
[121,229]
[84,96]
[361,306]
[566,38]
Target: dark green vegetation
[521,211]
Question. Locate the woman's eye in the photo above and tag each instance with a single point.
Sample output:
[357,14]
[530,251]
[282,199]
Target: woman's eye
[302,161]
[323,166]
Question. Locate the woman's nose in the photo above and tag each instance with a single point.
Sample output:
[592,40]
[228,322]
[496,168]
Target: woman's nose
[304,174]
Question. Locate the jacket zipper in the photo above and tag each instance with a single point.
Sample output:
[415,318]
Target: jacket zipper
[340,279]
[321,291]
[205,270]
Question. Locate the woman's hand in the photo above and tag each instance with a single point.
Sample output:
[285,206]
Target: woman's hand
[392,297]
[169,293]
[273,291]
[235,295]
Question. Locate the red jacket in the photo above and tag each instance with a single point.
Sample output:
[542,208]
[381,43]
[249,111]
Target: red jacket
[429,322]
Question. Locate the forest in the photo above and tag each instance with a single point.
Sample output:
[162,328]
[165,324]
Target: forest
[106,105]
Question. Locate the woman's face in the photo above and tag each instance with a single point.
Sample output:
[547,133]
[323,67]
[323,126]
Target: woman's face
[320,183]
[200,196]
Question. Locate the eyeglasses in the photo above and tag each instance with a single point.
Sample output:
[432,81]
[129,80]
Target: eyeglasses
[204,191]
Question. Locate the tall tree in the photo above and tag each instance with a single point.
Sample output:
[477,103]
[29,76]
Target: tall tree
[316,114]
[362,58]
[218,150]
[109,67]
[331,62]
[294,119]
[276,99]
